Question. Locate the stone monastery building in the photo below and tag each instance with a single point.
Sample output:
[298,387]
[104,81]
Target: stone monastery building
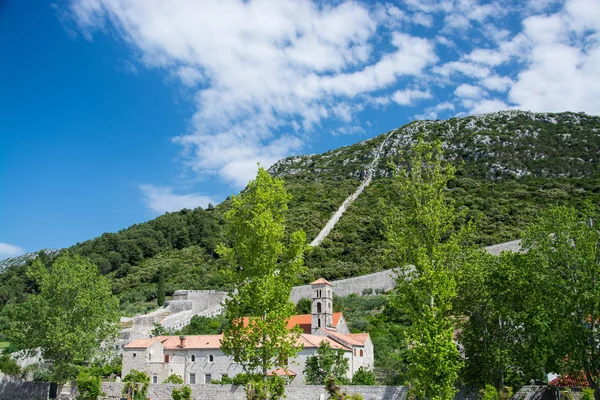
[199,359]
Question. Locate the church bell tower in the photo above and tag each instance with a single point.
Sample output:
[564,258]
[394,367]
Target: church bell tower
[322,305]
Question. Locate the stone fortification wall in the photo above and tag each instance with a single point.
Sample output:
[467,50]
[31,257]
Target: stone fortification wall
[234,392]
[383,280]
[18,390]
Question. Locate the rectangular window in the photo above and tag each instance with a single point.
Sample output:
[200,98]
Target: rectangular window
[134,355]
[192,379]
[207,378]
[167,358]
[211,358]
[155,379]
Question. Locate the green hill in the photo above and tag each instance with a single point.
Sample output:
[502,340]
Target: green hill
[510,165]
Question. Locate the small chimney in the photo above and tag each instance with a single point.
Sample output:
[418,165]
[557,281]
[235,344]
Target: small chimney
[181,341]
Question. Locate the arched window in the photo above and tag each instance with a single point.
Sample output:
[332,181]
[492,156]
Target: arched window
[318,308]
[361,352]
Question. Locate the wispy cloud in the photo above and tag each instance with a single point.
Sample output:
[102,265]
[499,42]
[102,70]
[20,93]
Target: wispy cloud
[261,66]
[162,199]
[9,250]
[266,75]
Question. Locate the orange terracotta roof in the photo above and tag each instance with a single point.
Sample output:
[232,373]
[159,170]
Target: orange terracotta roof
[354,339]
[305,321]
[574,380]
[144,343]
[194,342]
[321,281]
[314,341]
[214,342]
[359,337]
[281,372]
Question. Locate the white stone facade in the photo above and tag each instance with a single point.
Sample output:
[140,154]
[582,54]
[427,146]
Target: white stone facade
[199,359]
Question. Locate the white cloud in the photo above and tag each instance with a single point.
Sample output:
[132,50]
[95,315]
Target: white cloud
[497,83]
[433,112]
[486,106]
[407,97]
[465,68]
[162,199]
[469,91]
[266,75]
[9,250]
[563,61]
[262,69]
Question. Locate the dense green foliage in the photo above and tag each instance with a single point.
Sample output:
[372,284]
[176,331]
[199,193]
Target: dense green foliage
[263,268]
[71,313]
[88,386]
[426,246]
[326,363]
[174,378]
[363,377]
[183,393]
[136,385]
[509,166]
[204,326]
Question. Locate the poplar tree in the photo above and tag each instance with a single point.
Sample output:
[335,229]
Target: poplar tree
[263,268]
[427,249]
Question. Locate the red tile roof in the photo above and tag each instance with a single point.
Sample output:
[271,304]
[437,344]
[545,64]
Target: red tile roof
[214,342]
[314,341]
[305,321]
[574,380]
[281,372]
[321,281]
[353,339]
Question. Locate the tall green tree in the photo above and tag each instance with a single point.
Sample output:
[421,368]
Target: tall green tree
[69,317]
[326,363]
[565,245]
[503,319]
[428,250]
[263,267]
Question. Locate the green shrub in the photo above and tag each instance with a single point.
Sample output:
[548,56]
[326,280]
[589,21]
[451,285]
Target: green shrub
[173,378]
[9,366]
[588,394]
[363,376]
[488,393]
[88,386]
[184,393]
[136,385]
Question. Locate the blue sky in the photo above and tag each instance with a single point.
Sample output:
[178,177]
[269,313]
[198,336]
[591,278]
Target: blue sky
[113,111]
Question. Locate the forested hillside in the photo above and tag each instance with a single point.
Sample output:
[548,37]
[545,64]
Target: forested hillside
[510,165]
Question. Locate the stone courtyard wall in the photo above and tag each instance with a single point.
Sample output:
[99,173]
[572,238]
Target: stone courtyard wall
[235,392]
[19,390]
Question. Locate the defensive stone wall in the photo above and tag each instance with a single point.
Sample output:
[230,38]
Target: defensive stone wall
[384,280]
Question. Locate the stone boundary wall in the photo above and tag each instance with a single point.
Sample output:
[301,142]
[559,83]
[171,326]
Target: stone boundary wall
[235,392]
[20,390]
[383,280]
